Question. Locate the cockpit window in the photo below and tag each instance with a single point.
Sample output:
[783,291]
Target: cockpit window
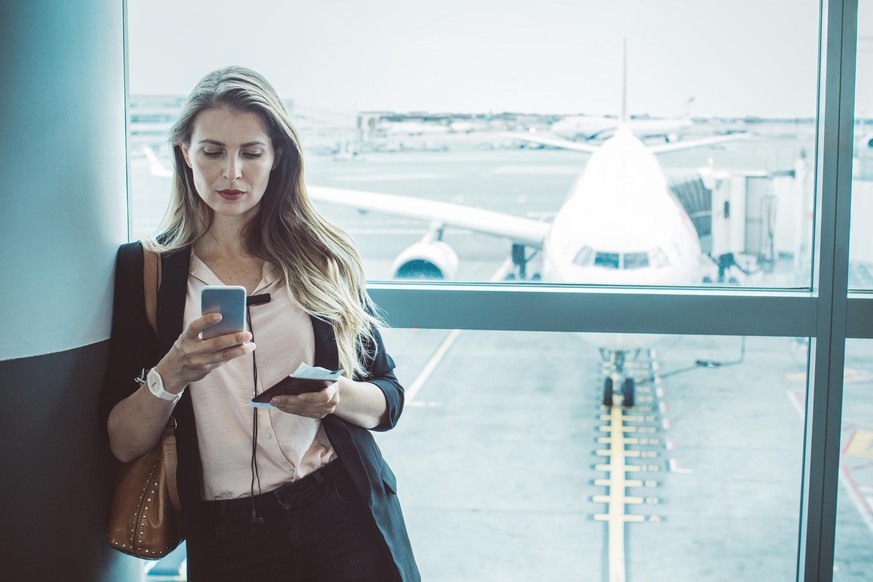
[635,260]
[587,257]
[608,260]
[658,258]
[584,257]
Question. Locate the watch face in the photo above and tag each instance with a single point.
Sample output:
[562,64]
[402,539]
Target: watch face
[156,384]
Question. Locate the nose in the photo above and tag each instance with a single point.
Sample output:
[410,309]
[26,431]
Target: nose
[233,169]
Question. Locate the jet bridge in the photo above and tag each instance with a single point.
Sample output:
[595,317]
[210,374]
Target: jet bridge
[748,220]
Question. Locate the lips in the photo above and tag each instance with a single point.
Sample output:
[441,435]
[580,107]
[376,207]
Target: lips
[231,194]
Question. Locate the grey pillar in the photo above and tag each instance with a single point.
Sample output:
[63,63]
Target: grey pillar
[62,215]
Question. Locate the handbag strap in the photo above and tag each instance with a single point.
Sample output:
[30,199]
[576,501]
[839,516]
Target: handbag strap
[151,277]
[168,442]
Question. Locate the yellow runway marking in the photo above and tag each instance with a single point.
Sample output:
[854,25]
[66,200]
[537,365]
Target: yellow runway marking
[630,438]
[440,353]
[616,499]
[861,445]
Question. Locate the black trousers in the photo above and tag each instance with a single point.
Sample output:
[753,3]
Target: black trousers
[316,529]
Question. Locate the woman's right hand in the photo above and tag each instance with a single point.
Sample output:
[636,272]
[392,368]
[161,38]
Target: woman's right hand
[192,358]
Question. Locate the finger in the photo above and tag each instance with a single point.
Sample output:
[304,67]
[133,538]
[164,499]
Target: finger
[288,404]
[202,323]
[320,397]
[221,356]
[228,340]
[292,405]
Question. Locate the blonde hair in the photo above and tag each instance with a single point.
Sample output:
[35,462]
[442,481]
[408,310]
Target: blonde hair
[320,264]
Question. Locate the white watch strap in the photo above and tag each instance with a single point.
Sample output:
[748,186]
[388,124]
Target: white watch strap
[155,386]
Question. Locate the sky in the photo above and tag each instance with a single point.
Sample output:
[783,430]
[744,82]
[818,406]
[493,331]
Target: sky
[735,58]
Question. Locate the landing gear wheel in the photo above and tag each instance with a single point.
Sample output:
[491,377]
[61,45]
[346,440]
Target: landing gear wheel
[607,392]
[628,391]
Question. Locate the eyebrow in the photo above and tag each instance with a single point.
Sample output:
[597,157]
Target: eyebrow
[245,145]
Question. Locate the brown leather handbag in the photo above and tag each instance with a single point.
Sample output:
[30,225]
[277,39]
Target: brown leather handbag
[145,516]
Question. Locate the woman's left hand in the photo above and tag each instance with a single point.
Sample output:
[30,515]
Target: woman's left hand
[310,404]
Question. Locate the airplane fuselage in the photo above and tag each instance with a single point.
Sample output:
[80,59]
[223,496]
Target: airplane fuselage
[621,226]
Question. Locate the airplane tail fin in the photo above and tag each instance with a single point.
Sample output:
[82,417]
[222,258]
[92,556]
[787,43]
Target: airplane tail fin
[685,110]
[624,117]
[155,165]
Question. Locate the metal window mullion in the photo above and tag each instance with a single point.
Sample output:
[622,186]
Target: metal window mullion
[833,204]
[125,47]
[540,308]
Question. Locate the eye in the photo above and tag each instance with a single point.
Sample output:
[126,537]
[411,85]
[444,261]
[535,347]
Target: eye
[211,153]
[252,155]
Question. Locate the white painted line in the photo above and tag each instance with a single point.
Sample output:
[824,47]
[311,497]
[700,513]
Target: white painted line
[441,351]
[431,365]
[846,480]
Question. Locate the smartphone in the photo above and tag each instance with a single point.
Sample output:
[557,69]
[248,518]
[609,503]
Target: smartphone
[293,386]
[230,302]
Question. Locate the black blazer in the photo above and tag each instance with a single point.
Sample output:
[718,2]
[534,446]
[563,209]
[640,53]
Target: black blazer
[133,346]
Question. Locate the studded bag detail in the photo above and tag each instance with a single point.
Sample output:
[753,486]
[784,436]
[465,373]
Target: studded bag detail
[145,517]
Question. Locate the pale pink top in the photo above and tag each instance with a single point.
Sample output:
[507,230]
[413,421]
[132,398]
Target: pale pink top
[289,446]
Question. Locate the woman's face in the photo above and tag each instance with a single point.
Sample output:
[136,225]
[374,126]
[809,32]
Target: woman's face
[231,157]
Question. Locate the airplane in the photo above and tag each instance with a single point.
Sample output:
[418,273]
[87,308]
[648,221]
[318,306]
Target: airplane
[592,127]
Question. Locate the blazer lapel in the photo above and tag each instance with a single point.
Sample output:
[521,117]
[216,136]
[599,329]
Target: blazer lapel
[171,297]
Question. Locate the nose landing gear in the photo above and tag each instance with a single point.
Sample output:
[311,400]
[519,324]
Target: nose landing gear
[628,391]
[617,378]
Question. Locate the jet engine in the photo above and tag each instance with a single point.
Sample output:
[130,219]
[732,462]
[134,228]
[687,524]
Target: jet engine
[426,259]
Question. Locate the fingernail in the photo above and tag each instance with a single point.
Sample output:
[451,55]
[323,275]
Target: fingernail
[274,401]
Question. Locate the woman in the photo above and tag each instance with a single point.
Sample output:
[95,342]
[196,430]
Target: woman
[299,491]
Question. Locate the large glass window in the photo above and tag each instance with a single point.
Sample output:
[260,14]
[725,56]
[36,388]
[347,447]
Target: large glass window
[437,136]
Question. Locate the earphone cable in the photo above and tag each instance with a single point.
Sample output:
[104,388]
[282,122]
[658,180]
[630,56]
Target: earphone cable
[256,477]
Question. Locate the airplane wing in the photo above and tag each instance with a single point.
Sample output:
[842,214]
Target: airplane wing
[554,142]
[694,143]
[656,149]
[524,231]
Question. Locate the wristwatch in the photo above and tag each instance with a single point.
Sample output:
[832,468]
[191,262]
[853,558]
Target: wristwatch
[156,387]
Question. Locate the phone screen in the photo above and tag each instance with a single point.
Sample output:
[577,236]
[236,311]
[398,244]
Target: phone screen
[230,302]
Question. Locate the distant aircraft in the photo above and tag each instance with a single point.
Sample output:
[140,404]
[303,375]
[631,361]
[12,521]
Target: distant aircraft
[593,127]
